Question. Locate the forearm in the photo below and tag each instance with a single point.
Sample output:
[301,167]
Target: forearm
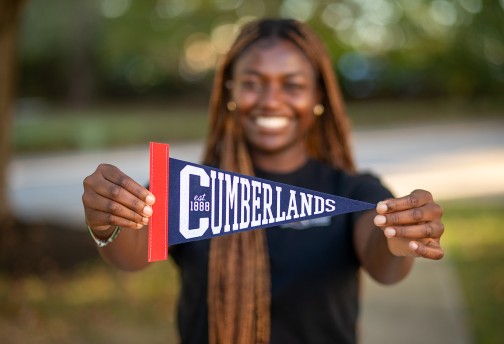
[373,249]
[381,264]
[128,251]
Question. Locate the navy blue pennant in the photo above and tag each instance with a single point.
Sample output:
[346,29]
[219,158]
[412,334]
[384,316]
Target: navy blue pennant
[196,202]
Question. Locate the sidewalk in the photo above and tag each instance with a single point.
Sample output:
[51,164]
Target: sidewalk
[426,307]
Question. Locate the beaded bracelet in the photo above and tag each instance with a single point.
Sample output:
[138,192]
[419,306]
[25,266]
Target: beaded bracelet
[103,243]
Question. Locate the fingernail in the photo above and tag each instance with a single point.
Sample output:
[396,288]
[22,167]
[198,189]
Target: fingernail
[390,232]
[381,207]
[150,199]
[145,220]
[413,245]
[139,225]
[380,220]
[147,210]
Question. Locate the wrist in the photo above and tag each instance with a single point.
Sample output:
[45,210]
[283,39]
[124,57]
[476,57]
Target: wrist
[102,234]
[104,237]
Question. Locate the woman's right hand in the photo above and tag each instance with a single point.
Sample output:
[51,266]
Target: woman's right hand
[111,199]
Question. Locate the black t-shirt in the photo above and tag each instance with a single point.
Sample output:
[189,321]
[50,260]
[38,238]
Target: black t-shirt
[314,267]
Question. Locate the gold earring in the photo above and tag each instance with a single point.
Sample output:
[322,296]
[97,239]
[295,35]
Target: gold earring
[231,105]
[318,109]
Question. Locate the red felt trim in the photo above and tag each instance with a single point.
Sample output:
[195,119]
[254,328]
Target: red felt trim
[159,186]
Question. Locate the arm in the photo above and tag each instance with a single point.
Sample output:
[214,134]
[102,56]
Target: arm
[411,227]
[113,199]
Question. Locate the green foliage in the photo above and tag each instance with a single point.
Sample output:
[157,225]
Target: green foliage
[79,50]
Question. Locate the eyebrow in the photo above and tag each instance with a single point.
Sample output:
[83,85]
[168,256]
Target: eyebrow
[289,75]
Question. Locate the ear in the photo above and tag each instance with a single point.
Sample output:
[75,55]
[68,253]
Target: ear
[319,95]
[228,89]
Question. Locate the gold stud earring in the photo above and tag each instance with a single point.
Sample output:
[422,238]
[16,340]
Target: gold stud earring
[231,105]
[318,109]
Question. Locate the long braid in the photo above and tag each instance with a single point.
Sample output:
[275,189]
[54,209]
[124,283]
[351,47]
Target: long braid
[239,294]
[238,276]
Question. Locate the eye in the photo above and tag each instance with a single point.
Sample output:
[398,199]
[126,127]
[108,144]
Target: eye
[251,85]
[293,86]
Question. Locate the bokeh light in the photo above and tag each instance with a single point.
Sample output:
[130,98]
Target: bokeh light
[114,8]
[298,9]
[177,42]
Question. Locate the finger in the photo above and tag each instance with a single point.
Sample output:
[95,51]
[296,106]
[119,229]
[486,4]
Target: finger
[428,212]
[416,199]
[432,229]
[116,193]
[117,177]
[431,250]
[96,218]
[106,205]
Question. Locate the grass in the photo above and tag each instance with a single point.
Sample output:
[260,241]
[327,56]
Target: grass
[41,128]
[65,129]
[474,239]
[92,304]
[97,304]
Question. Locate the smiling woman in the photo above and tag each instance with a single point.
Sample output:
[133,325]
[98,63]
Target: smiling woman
[276,112]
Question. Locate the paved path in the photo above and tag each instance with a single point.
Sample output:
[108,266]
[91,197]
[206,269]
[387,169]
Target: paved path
[451,160]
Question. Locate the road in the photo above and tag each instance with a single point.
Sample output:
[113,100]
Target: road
[451,160]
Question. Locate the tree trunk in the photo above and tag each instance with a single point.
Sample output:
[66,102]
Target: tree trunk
[10,11]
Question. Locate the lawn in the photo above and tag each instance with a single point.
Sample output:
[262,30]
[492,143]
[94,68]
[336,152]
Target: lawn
[93,303]
[475,240]
[43,128]
[98,128]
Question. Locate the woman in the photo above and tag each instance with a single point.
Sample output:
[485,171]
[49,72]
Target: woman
[276,112]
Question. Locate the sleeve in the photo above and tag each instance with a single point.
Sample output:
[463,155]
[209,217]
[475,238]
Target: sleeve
[367,188]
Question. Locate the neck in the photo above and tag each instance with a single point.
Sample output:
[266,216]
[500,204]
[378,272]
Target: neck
[283,162]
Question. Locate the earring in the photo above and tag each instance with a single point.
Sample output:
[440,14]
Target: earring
[231,105]
[318,109]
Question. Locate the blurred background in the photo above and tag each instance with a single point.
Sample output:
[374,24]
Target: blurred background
[86,82]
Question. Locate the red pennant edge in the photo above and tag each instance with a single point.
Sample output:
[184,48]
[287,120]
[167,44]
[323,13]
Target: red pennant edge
[159,186]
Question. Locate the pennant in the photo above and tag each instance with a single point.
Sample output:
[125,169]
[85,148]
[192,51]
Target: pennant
[196,202]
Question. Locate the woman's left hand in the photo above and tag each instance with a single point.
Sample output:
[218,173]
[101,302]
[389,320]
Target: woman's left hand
[412,225]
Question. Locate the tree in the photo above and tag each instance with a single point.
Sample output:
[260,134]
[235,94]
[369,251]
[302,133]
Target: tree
[127,48]
[10,11]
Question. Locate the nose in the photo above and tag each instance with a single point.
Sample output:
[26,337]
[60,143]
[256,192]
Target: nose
[271,97]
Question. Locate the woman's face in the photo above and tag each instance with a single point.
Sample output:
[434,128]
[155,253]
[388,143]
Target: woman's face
[275,89]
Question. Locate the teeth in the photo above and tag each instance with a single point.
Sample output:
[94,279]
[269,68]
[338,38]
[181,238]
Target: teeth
[272,122]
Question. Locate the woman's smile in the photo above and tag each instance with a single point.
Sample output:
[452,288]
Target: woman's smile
[271,123]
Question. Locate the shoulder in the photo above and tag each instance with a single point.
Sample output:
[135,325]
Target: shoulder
[364,186]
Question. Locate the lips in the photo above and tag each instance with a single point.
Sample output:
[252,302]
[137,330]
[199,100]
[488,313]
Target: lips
[272,122]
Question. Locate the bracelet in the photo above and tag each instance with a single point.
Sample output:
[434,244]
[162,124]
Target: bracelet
[103,243]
